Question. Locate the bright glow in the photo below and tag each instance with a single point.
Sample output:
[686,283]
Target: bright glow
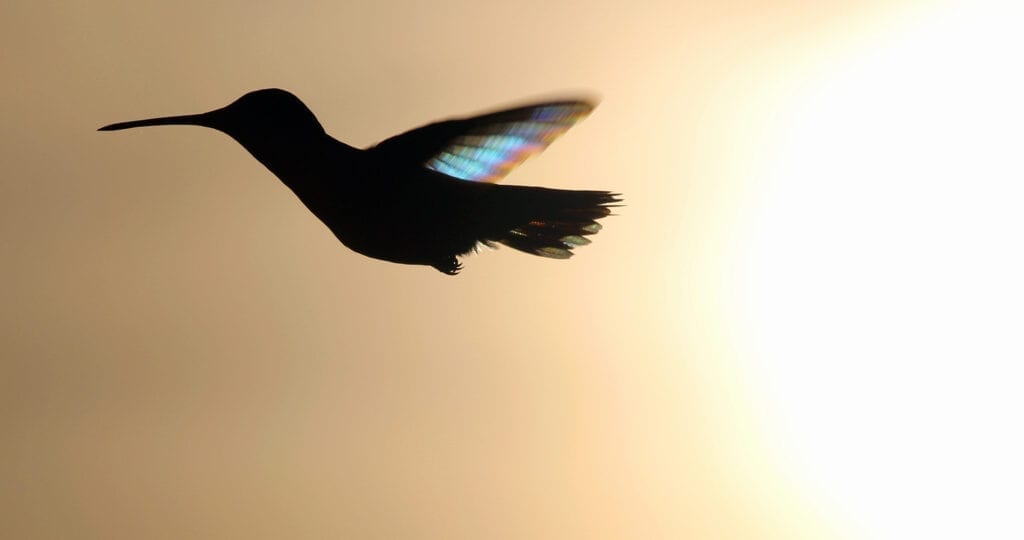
[883,282]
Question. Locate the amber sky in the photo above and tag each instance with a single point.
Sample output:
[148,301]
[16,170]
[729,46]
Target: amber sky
[188,353]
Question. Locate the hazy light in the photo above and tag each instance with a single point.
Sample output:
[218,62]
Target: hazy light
[883,278]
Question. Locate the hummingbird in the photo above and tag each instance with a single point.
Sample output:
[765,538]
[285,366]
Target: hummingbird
[424,197]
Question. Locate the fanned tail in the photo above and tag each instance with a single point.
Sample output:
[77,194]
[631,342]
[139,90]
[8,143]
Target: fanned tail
[546,222]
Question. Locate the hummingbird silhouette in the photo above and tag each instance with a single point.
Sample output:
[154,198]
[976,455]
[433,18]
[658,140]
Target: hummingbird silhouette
[425,196]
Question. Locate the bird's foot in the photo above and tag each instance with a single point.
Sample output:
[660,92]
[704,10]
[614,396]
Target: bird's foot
[450,267]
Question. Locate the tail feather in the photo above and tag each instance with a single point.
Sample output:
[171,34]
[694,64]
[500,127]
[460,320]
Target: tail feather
[547,222]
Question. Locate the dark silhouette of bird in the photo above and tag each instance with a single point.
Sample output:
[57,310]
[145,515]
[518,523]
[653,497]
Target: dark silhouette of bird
[424,196]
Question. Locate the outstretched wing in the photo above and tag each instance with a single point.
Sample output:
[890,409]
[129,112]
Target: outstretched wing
[485,148]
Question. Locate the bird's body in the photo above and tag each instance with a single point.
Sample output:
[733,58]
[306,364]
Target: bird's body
[393,202]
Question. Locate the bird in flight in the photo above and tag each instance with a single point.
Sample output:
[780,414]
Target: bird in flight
[426,196]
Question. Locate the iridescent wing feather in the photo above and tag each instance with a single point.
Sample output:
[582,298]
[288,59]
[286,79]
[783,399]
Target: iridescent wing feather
[485,148]
[489,150]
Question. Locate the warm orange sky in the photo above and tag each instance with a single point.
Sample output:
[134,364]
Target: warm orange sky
[188,353]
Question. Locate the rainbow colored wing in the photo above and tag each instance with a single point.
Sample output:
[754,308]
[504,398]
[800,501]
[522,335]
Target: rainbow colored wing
[494,144]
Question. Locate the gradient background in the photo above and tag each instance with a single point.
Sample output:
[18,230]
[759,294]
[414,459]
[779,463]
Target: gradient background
[805,324]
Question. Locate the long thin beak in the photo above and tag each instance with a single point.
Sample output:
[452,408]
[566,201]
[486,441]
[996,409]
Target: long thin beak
[203,119]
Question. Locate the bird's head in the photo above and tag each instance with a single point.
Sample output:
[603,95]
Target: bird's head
[261,115]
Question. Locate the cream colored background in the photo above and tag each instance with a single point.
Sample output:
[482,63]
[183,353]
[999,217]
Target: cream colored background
[188,353]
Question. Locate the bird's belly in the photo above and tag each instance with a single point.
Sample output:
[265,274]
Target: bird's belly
[403,226]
